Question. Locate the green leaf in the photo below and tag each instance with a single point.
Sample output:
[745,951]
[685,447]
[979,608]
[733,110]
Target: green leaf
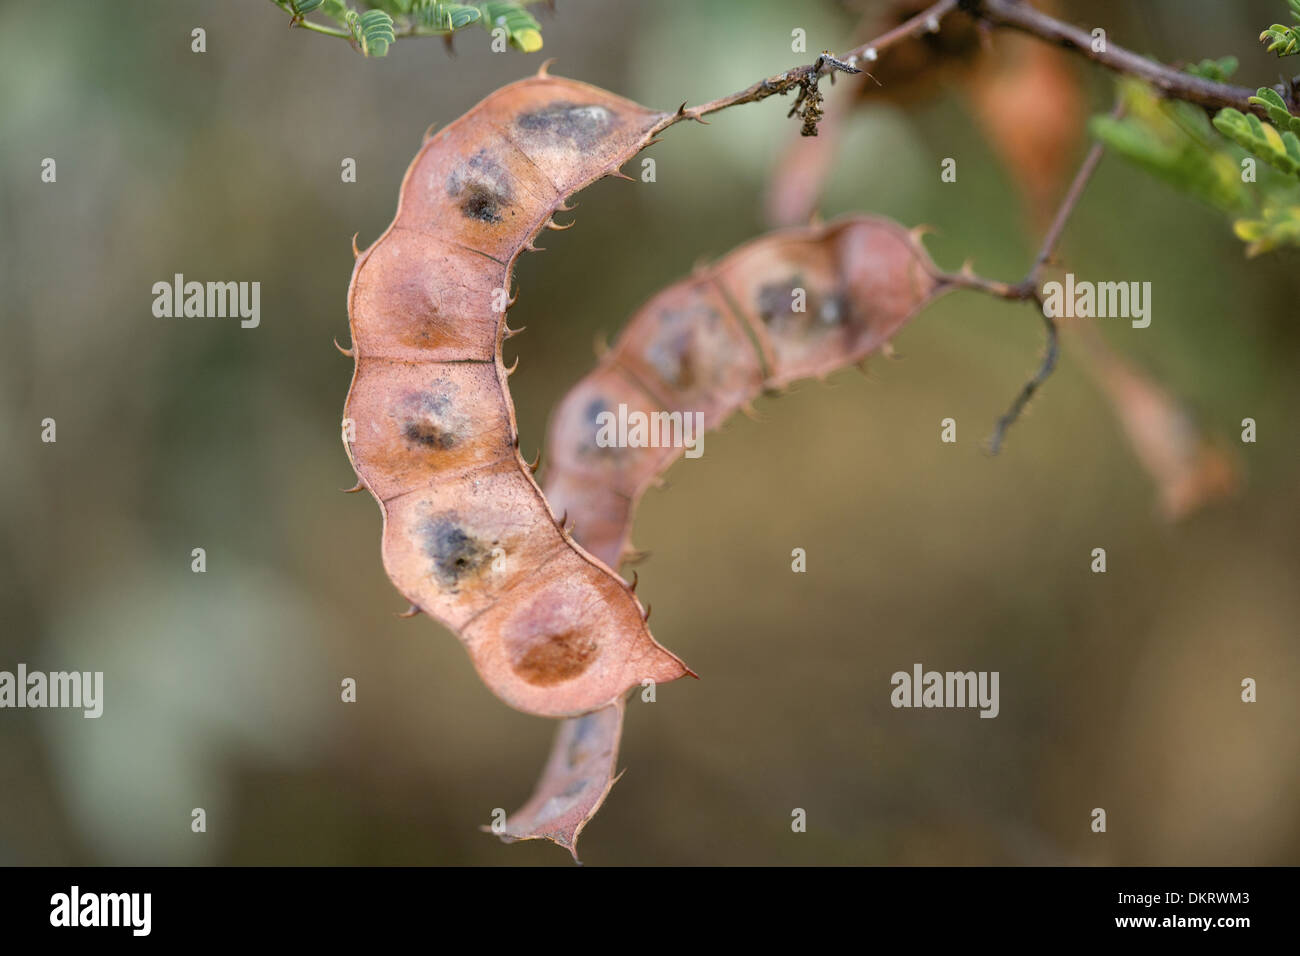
[301,7]
[1279,226]
[1217,71]
[520,26]
[1282,40]
[1263,141]
[373,31]
[1175,158]
[445,16]
[1275,106]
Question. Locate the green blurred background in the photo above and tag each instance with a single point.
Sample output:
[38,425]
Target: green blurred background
[222,689]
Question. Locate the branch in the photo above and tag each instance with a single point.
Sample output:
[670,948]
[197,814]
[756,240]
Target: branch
[1027,289]
[1017,15]
[805,77]
[1011,14]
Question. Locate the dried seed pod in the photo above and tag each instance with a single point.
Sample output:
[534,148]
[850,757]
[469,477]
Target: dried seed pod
[575,781]
[468,537]
[793,304]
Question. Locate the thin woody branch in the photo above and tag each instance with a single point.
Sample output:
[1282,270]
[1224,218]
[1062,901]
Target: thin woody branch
[1017,15]
[1027,290]
[804,78]
[1008,14]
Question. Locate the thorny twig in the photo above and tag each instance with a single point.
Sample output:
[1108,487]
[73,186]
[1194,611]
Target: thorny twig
[805,78]
[1009,14]
[1015,15]
[1028,290]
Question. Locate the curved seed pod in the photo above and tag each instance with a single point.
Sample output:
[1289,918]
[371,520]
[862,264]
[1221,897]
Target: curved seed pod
[793,304]
[468,537]
[575,781]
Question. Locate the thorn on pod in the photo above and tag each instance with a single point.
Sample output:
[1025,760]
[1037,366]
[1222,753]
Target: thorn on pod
[511,369]
[537,460]
[510,303]
[919,232]
[545,69]
[564,518]
[552,224]
[356,253]
[359,486]
[532,248]
[646,616]
[684,113]
[511,333]
[428,133]
[411,611]
[600,344]
[619,174]
[635,581]
[887,350]
[348,352]
[633,555]
[565,207]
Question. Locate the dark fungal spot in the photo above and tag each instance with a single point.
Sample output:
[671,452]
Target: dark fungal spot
[776,300]
[574,788]
[673,353]
[582,732]
[426,420]
[480,203]
[482,187]
[554,658]
[456,554]
[592,426]
[791,306]
[573,124]
[429,435]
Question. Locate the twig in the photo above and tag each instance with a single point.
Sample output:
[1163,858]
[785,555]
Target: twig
[1175,83]
[805,77]
[1027,289]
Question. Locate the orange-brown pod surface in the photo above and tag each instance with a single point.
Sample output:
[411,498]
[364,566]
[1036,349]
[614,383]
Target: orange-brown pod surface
[429,424]
[791,304]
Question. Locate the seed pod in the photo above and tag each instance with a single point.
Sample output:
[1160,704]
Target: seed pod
[792,304]
[468,537]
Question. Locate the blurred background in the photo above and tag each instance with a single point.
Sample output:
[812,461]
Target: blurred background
[1119,690]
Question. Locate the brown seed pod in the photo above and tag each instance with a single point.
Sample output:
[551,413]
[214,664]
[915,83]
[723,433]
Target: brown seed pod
[575,781]
[468,537]
[792,304]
